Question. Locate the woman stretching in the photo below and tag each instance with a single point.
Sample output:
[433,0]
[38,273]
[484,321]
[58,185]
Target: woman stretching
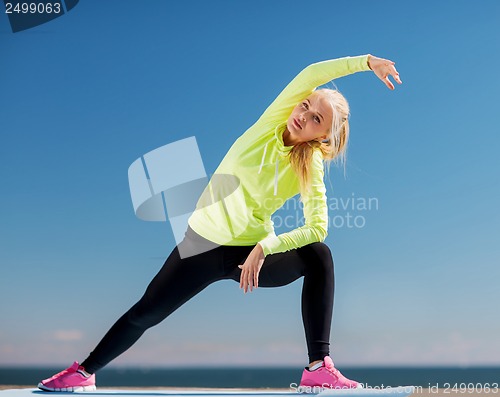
[230,235]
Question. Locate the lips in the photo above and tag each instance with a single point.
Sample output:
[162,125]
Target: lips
[296,124]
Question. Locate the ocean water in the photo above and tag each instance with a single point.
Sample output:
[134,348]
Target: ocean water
[273,377]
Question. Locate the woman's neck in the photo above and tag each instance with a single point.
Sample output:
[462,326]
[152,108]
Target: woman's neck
[287,141]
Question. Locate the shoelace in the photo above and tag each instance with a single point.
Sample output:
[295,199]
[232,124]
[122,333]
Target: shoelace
[63,372]
[335,372]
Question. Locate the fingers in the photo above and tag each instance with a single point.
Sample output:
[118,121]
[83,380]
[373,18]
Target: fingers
[384,68]
[388,83]
[249,279]
[249,284]
[397,78]
[394,73]
[256,279]
[245,279]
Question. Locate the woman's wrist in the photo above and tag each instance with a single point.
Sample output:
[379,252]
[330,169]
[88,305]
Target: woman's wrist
[259,248]
[368,60]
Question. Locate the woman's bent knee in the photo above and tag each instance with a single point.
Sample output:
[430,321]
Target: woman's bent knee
[318,256]
[322,250]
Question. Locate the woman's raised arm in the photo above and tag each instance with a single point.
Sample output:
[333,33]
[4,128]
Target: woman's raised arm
[321,73]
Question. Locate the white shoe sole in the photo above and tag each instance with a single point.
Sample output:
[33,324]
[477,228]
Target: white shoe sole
[75,389]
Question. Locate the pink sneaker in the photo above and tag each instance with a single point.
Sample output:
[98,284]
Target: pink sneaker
[69,380]
[328,377]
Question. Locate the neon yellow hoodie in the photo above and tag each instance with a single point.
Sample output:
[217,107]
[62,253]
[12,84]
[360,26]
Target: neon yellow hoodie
[255,178]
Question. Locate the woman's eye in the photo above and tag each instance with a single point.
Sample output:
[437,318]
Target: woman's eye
[304,105]
[316,119]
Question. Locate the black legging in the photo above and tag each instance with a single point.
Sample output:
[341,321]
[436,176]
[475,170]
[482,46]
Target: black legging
[182,278]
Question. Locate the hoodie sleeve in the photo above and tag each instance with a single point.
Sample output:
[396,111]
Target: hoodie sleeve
[307,81]
[315,228]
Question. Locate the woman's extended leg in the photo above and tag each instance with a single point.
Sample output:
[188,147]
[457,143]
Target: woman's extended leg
[179,279]
[177,282]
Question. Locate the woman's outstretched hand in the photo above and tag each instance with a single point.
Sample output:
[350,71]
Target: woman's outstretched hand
[383,68]
[251,268]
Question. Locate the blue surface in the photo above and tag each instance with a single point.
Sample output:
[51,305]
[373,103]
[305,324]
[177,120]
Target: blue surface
[398,392]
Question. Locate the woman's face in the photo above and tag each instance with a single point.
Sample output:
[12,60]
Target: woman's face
[310,120]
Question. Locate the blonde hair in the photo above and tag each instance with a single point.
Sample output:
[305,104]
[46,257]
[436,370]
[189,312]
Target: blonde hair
[333,148]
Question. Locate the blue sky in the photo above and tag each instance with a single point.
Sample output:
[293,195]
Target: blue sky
[86,94]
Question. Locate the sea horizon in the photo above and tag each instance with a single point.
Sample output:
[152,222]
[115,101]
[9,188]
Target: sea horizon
[263,376]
